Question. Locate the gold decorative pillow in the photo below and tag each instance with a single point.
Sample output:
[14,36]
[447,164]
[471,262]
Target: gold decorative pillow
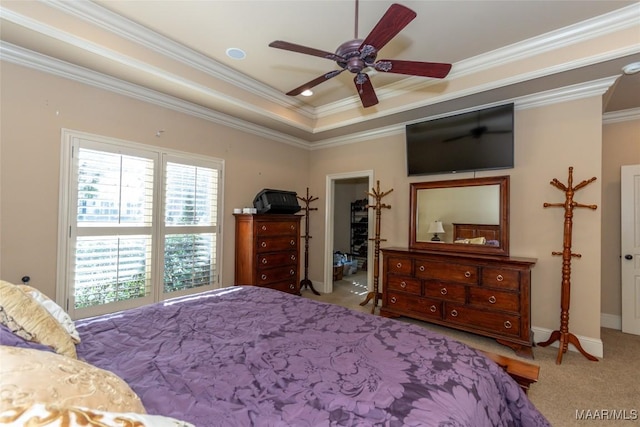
[30,376]
[33,318]
[53,416]
[54,309]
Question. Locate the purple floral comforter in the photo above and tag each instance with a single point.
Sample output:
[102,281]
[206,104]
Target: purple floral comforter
[248,356]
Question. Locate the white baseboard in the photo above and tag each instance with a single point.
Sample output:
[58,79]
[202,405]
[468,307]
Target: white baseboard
[611,321]
[592,346]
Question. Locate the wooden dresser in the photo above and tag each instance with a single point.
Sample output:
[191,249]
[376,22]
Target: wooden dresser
[267,251]
[486,295]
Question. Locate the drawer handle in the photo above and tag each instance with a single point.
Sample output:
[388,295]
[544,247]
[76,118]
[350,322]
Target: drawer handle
[292,272]
[499,278]
[263,244]
[393,300]
[443,291]
[454,313]
[467,274]
[507,325]
[263,277]
[264,228]
[292,242]
[492,299]
[293,227]
[399,265]
[264,261]
[421,268]
[433,308]
[403,284]
[292,286]
[293,257]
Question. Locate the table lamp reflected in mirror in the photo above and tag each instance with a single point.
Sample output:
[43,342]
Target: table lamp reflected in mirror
[436,228]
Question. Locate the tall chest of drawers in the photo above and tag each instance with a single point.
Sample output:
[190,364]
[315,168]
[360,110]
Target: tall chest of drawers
[486,295]
[267,251]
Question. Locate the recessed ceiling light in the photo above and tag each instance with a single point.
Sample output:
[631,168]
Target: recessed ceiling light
[307,93]
[632,68]
[235,53]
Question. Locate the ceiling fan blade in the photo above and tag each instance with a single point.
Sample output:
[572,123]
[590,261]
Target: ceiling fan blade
[413,68]
[365,90]
[394,20]
[314,82]
[279,44]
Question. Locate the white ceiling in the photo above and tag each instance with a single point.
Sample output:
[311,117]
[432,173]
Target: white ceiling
[173,52]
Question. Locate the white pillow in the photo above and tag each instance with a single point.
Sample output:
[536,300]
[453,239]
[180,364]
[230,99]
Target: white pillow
[56,311]
[75,416]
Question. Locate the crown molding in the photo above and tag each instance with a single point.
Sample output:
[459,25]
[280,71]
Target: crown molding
[116,24]
[43,63]
[46,64]
[540,99]
[621,116]
[583,31]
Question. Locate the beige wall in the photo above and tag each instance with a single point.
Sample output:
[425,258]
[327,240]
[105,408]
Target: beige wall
[36,106]
[549,139]
[621,147]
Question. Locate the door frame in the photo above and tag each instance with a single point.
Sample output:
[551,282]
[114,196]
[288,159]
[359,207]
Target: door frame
[329,227]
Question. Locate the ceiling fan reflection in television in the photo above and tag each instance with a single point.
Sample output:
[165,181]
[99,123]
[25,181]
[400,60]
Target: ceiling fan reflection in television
[358,55]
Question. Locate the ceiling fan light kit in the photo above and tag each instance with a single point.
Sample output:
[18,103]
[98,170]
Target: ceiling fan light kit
[358,55]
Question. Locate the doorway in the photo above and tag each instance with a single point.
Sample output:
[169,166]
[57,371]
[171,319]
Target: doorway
[338,188]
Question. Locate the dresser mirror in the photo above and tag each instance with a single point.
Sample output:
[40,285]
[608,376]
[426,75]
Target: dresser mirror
[463,215]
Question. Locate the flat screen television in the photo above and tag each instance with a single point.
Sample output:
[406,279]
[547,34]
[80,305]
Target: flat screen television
[472,141]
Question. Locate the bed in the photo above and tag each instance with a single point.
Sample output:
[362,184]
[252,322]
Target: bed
[243,356]
[484,234]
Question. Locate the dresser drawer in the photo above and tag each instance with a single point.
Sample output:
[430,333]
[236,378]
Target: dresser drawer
[274,259]
[272,275]
[498,323]
[501,278]
[445,291]
[490,298]
[397,265]
[269,228]
[448,272]
[272,244]
[422,306]
[404,284]
[289,286]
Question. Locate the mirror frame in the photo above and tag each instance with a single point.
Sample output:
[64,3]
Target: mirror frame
[502,250]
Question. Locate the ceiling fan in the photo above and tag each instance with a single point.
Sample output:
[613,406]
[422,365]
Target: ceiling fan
[359,54]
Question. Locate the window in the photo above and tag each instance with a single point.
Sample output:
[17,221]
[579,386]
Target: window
[141,224]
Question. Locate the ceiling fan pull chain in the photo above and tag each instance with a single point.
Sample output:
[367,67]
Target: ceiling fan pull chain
[361,79]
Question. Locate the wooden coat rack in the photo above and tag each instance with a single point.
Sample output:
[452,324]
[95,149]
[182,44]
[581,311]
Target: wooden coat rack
[375,294]
[563,334]
[304,283]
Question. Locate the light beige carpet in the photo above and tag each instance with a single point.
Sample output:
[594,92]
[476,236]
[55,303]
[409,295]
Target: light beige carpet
[577,392]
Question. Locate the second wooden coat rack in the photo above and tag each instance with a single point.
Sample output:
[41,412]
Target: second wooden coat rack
[563,335]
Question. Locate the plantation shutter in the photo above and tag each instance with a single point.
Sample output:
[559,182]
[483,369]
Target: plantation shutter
[113,227]
[141,224]
[191,194]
